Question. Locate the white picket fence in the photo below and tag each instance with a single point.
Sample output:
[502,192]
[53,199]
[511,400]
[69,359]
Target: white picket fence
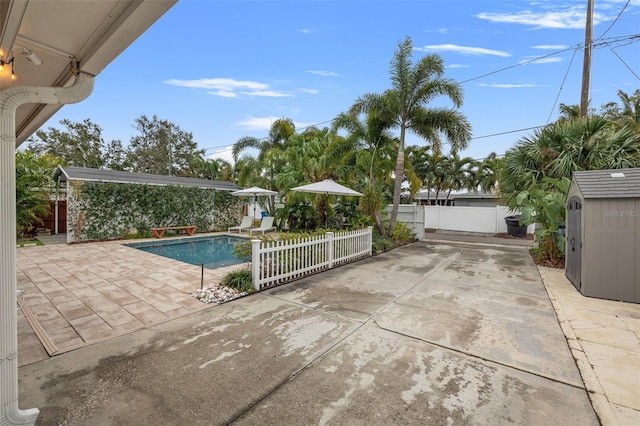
[276,262]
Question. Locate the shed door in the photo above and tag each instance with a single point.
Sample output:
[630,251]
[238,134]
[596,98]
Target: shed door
[573,256]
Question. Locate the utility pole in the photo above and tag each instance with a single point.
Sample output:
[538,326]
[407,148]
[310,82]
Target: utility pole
[586,65]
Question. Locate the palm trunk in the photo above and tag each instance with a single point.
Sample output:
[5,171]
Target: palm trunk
[379,223]
[397,188]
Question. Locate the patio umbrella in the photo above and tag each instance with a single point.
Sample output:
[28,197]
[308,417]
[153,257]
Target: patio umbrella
[327,187]
[254,191]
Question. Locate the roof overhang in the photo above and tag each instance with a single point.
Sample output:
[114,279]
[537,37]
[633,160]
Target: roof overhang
[93,32]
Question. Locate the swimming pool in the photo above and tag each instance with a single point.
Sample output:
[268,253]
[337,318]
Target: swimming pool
[214,251]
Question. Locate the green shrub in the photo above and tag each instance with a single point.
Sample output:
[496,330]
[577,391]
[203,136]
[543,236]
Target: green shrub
[240,280]
[402,234]
[381,243]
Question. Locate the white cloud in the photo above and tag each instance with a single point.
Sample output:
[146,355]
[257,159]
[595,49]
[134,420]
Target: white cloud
[567,17]
[257,123]
[548,60]
[464,50]
[267,93]
[306,31]
[550,47]
[264,123]
[457,66]
[223,154]
[508,85]
[223,93]
[229,87]
[309,91]
[324,73]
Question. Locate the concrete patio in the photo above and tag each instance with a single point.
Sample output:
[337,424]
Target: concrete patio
[430,333]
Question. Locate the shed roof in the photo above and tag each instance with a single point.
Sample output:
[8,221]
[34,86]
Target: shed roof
[616,183]
[102,175]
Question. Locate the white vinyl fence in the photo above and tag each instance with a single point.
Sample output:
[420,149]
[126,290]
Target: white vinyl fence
[411,215]
[276,262]
[469,219]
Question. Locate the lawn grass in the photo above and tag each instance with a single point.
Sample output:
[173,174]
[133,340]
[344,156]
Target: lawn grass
[29,243]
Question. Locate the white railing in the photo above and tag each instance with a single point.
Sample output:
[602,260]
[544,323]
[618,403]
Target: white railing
[276,262]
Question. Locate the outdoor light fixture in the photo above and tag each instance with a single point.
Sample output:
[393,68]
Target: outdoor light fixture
[2,65]
[74,65]
[30,55]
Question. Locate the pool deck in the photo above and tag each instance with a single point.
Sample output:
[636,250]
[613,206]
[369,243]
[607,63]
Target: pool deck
[74,295]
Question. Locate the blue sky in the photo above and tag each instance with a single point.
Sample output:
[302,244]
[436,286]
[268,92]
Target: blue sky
[226,69]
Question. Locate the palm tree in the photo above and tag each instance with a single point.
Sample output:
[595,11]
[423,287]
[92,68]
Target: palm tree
[459,174]
[279,133]
[487,170]
[366,151]
[310,157]
[404,106]
[264,167]
[558,150]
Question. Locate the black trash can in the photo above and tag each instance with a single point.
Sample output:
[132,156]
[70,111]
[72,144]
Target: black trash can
[514,228]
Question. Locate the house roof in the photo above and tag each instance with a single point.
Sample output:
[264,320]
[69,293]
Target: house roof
[422,195]
[102,175]
[93,32]
[475,196]
[617,183]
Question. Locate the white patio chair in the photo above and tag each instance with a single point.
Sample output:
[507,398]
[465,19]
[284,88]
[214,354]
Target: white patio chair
[265,225]
[247,223]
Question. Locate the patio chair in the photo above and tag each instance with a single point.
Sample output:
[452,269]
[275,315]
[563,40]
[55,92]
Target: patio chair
[247,223]
[265,225]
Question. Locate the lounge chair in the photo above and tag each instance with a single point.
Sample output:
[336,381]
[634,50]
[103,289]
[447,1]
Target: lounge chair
[247,223]
[265,225]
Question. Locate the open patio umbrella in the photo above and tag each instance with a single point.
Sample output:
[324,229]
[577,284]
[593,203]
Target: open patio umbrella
[327,187]
[254,191]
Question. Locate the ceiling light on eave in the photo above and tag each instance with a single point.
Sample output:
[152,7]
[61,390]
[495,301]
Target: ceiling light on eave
[30,55]
[9,62]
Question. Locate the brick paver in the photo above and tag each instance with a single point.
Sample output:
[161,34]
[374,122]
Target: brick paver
[81,294]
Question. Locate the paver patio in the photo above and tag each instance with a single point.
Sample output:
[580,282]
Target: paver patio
[81,294]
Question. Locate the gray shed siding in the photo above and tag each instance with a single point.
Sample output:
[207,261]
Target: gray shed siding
[611,249]
[610,234]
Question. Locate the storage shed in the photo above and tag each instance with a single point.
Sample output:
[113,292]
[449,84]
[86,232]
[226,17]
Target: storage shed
[603,234]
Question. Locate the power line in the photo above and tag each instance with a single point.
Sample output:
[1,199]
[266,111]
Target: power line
[614,21]
[553,108]
[604,43]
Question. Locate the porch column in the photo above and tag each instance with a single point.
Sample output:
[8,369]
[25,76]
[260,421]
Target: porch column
[10,99]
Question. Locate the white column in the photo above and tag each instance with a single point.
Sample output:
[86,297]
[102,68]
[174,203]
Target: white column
[10,99]
[9,411]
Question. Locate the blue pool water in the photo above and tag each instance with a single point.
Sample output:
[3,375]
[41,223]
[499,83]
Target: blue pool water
[214,252]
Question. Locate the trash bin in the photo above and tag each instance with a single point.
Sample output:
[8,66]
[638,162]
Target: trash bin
[514,228]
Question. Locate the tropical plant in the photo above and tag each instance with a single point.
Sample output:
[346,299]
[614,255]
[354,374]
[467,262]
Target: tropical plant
[404,106]
[367,151]
[240,279]
[546,207]
[486,173]
[210,169]
[262,169]
[627,114]
[34,183]
[559,149]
